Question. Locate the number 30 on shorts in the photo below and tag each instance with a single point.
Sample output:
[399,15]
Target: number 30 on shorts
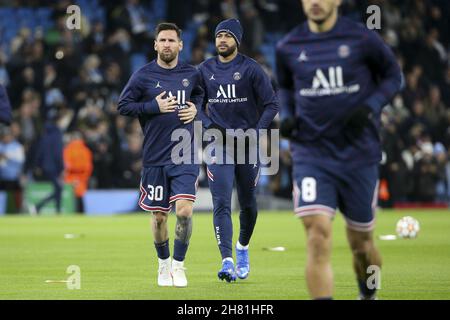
[155,193]
[309,189]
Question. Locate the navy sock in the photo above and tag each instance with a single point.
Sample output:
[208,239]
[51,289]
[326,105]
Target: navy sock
[247,220]
[364,290]
[162,249]
[179,250]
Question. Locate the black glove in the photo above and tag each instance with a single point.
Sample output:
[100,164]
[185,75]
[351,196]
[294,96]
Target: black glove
[287,127]
[358,120]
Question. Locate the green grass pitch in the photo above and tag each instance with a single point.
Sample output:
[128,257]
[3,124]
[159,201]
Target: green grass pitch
[117,259]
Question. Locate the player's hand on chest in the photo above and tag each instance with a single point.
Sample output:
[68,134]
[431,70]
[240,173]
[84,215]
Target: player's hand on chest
[175,90]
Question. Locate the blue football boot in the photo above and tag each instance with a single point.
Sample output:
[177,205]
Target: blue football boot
[242,264]
[227,271]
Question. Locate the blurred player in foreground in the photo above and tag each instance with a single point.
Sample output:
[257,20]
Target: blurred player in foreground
[239,96]
[163,95]
[335,76]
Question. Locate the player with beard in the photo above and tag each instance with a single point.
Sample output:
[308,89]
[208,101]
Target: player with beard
[239,95]
[335,77]
[163,95]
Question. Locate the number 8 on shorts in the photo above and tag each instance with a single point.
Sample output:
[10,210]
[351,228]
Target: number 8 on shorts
[309,189]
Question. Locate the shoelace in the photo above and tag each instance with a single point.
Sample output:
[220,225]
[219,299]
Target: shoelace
[244,259]
[178,269]
[228,267]
[164,268]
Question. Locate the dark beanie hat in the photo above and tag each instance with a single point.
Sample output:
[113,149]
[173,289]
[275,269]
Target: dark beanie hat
[232,26]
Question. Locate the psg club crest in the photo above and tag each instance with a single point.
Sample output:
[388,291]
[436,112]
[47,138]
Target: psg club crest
[185,82]
[344,51]
[236,76]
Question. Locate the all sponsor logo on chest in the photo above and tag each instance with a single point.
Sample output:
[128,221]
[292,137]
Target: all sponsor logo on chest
[179,94]
[226,93]
[329,83]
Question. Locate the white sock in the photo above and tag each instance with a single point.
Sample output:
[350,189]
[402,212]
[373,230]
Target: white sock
[164,260]
[241,247]
[228,259]
[177,263]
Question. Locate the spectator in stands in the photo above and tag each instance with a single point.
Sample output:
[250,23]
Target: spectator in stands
[28,117]
[112,84]
[229,9]
[270,14]
[281,183]
[435,111]
[51,79]
[5,107]
[26,79]
[132,162]
[412,91]
[12,159]
[91,69]
[445,87]
[425,174]
[4,75]
[95,129]
[290,13]
[440,155]
[437,20]
[416,125]
[95,41]
[432,56]
[118,49]
[253,26]
[198,56]
[133,18]
[393,168]
[179,11]
[78,166]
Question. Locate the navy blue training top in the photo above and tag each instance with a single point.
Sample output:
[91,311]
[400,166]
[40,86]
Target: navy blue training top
[323,77]
[138,99]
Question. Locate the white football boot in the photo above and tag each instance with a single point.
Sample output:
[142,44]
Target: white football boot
[179,274]
[165,273]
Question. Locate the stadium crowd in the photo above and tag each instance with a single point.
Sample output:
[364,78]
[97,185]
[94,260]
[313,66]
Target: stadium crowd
[74,78]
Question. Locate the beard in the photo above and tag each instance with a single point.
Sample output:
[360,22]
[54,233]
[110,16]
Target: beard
[228,52]
[322,19]
[168,57]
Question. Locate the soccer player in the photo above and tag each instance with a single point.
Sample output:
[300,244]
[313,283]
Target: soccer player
[335,76]
[163,95]
[239,96]
[49,161]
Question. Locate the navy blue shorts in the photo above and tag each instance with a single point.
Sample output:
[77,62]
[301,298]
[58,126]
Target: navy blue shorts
[321,190]
[162,185]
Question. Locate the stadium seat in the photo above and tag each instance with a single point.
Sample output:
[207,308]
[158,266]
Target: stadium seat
[188,39]
[137,60]
[159,9]
[268,50]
